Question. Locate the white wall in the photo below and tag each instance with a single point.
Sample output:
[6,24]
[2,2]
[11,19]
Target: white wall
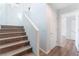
[52,28]
[10,15]
[43,16]
[38,16]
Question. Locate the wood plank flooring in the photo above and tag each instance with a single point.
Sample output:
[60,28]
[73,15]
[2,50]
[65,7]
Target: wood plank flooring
[68,50]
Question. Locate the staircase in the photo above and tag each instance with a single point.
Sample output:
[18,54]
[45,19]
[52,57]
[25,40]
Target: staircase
[14,42]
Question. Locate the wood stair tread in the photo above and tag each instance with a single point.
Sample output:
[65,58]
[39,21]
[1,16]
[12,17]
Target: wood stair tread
[12,37]
[11,53]
[14,41]
[12,44]
[9,28]
[11,33]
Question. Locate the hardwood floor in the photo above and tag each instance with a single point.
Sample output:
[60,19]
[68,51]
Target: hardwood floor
[68,50]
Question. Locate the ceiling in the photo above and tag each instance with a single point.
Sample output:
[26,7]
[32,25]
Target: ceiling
[58,6]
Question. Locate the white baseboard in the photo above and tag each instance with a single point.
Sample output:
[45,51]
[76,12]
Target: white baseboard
[43,50]
[46,52]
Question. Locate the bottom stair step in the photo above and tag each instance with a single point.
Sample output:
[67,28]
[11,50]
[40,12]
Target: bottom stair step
[17,51]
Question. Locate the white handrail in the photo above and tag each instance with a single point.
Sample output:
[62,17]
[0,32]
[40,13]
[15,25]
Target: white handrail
[31,22]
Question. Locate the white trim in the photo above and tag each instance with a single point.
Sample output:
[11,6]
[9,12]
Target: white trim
[37,37]
[0,26]
[45,51]
[49,51]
